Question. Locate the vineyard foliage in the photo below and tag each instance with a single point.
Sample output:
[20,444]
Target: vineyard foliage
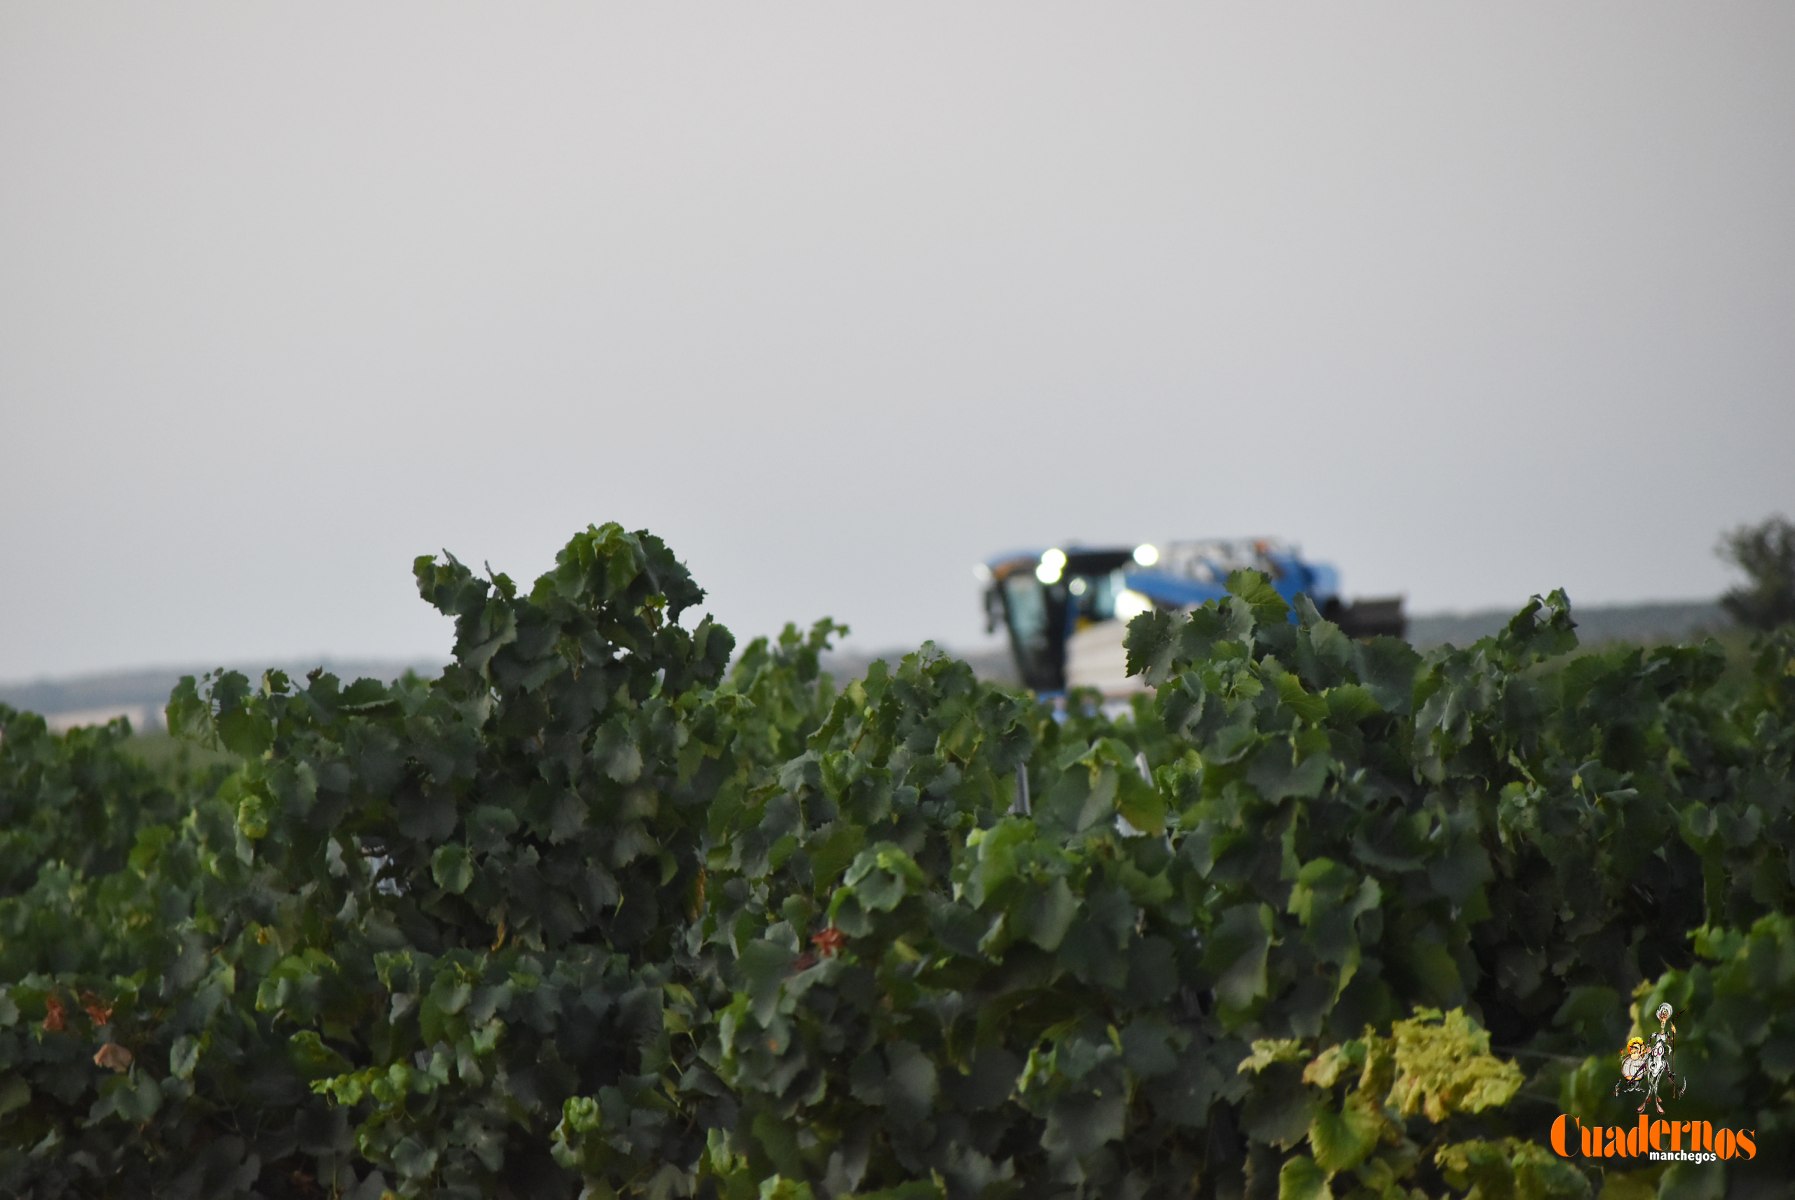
[610,909]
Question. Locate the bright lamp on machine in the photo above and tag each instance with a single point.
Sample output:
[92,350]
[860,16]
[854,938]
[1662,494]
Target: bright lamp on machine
[1131,604]
[1053,563]
[1146,554]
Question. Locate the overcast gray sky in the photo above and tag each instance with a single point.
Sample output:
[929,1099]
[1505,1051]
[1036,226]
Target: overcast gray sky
[1471,300]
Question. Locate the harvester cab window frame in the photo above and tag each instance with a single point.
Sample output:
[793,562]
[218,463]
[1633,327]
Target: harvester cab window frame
[1040,606]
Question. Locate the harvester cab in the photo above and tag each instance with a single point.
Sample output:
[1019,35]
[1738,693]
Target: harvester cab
[1066,611]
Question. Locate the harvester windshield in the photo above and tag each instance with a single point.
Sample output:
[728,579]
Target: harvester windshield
[1041,600]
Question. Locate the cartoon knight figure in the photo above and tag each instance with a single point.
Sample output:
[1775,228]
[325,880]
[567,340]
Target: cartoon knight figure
[1647,1065]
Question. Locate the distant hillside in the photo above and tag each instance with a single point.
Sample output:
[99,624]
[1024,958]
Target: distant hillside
[140,695]
[1668,621]
[993,664]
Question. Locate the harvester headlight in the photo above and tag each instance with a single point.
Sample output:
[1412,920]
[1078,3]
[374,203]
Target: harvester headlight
[1131,604]
[1053,563]
[1146,554]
